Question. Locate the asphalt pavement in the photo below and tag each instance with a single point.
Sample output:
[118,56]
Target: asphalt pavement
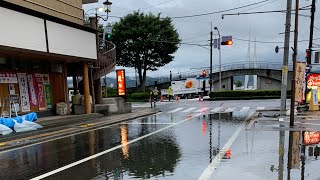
[188,139]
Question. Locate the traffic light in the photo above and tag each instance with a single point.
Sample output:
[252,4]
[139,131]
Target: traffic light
[228,43]
[308,56]
[108,37]
[204,74]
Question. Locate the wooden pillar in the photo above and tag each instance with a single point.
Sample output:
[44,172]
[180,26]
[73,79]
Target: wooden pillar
[66,90]
[86,88]
[75,84]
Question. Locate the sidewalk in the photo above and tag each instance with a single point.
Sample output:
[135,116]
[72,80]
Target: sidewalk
[59,126]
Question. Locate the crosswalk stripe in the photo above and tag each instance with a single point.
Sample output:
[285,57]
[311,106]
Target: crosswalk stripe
[216,109]
[201,110]
[230,109]
[188,110]
[260,108]
[244,109]
[175,110]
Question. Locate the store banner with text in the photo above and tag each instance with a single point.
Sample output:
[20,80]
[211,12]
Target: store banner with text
[300,73]
[121,82]
[47,90]
[32,90]
[8,77]
[24,93]
[40,89]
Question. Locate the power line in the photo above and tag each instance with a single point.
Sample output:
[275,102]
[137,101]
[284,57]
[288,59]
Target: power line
[259,6]
[216,12]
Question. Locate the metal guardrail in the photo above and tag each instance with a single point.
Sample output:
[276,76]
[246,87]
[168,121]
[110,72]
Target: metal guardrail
[263,65]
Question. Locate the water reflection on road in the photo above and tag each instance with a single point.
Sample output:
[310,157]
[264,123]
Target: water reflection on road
[182,151]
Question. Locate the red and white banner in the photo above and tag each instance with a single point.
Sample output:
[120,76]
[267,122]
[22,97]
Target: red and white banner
[40,90]
[32,90]
[311,138]
[313,80]
[24,94]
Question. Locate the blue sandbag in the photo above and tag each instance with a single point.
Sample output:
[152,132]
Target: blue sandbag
[7,122]
[31,116]
[10,123]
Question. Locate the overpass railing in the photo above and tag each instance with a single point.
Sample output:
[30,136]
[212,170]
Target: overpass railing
[194,72]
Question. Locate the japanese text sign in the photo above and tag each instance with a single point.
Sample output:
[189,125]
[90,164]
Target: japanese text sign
[121,82]
[311,138]
[313,80]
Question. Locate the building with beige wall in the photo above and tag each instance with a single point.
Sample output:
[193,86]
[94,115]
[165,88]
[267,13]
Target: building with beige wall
[70,10]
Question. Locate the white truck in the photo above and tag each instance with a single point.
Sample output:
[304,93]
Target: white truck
[188,88]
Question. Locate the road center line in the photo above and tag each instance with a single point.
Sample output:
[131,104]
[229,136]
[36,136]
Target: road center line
[109,150]
[214,164]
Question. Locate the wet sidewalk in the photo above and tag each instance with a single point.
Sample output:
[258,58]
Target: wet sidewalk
[270,149]
[59,126]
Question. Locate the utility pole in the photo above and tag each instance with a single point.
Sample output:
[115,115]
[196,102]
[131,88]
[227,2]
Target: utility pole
[294,57]
[219,46]
[286,57]
[211,81]
[313,10]
[308,60]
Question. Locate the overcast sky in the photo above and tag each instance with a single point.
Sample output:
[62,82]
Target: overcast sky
[265,27]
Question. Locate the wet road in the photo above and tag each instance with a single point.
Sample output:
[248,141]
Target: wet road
[181,142]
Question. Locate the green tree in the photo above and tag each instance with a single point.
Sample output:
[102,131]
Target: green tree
[238,83]
[145,42]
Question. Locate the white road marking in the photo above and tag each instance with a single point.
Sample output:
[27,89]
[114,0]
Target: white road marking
[188,110]
[260,108]
[202,110]
[214,164]
[244,109]
[175,110]
[216,109]
[230,110]
[148,123]
[109,150]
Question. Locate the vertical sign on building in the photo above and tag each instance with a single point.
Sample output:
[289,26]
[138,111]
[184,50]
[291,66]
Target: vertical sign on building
[300,73]
[121,82]
[24,93]
[40,90]
[47,90]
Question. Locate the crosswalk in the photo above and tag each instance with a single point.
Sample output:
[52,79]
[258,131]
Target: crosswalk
[215,109]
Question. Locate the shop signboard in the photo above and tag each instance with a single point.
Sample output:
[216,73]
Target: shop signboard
[121,82]
[40,90]
[7,77]
[313,80]
[310,138]
[24,93]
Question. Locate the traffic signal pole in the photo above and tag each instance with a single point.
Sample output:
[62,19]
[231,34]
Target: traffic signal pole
[284,81]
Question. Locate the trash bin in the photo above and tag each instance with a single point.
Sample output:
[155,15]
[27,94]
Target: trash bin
[62,108]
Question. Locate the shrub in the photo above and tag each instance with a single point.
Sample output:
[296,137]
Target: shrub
[248,93]
[139,97]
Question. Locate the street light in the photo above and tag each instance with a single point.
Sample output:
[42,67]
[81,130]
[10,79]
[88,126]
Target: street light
[107,9]
[219,45]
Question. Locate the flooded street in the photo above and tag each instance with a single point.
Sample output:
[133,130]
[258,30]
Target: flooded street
[197,144]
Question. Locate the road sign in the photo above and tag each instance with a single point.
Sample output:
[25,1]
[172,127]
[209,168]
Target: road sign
[108,29]
[311,138]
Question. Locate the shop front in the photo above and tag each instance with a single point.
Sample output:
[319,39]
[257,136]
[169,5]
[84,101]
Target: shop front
[37,53]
